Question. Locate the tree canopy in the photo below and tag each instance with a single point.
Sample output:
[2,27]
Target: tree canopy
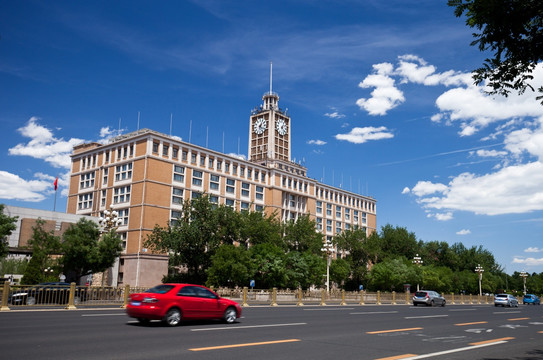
[513,31]
[7,225]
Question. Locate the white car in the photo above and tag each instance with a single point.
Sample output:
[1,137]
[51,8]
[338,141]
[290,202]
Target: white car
[505,300]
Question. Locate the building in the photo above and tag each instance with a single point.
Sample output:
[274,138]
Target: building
[146,176]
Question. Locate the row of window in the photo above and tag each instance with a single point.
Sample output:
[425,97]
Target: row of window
[119,153]
[122,172]
[339,226]
[339,211]
[214,199]
[345,199]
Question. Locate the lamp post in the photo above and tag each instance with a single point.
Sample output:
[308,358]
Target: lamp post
[417,260]
[48,272]
[479,269]
[328,249]
[110,221]
[524,275]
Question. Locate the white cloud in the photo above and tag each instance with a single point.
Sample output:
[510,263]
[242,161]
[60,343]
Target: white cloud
[406,190]
[385,96]
[533,250]
[528,261]
[362,135]
[490,153]
[441,216]
[335,115]
[424,188]
[43,145]
[15,188]
[316,142]
[463,232]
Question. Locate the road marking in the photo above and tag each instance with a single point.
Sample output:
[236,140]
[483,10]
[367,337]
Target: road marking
[517,319]
[506,312]
[492,341]
[462,309]
[89,315]
[472,347]
[472,323]
[329,309]
[395,330]
[373,312]
[404,356]
[247,327]
[243,345]
[540,332]
[424,317]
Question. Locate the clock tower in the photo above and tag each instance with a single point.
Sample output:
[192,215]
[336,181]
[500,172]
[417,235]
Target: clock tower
[269,130]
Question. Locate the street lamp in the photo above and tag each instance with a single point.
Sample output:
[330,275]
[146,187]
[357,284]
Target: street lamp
[417,260]
[479,269]
[524,274]
[110,221]
[328,249]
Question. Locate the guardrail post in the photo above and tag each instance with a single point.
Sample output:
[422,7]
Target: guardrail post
[407,298]
[343,297]
[274,297]
[71,305]
[470,299]
[394,298]
[300,303]
[378,297]
[452,299]
[361,297]
[244,303]
[323,295]
[5,294]
[126,296]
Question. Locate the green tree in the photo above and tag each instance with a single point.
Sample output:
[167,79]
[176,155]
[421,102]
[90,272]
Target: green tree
[301,235]
[391,274]
[397,241]
[340,272]
[7,225]
[268,260]
[231,266]
[43,245]
[86,252]
[259,228]
[513,31]
[303,269]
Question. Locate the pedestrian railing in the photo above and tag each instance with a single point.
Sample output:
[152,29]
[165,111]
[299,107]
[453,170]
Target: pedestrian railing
[73,297]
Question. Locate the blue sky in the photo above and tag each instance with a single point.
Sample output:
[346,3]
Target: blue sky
[380,95]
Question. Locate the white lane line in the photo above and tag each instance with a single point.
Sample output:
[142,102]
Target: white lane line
[463,310]
[454,350]
[89,315]
[506,312]
[373,312]
[329,309]
[423,317]
[247,327]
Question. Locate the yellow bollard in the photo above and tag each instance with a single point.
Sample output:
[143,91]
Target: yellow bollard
[323,292]
[361,297]
[394,298]
[407,298]
[71,305]
[274,297]
[245,297]
[452,299]
[378,297]
[5,294]
[470,299]
[126,296]
[343,298]
[300,303]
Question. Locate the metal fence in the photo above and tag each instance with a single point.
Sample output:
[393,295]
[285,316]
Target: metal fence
[73,297]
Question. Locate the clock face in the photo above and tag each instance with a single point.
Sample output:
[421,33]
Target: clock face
[259,126]
[281,127]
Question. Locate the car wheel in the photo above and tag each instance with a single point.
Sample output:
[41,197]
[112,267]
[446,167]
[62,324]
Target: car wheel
[415,304]
[144,321]
[443,303]
[31,300]
[173,317]
[229,315]
[496,305]
[432,303]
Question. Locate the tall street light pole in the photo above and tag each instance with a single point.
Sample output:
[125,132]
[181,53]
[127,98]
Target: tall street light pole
[328,249]
[417,260]
[524,274]
[479,269]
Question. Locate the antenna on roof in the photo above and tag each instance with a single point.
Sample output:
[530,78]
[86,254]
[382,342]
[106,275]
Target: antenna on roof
[138,120]
[270,77]
[171,118]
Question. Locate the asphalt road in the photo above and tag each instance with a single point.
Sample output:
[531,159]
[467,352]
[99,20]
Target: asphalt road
[284,332]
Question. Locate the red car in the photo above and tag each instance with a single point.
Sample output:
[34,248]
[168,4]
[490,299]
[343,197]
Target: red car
[173,302]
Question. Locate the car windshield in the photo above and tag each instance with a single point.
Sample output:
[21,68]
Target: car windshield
[160,289]
[420,293]
[501,296]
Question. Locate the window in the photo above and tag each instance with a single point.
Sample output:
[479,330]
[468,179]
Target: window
[214,199]
[355,215]
[329,225]
[319,207]
[214,182]
[244,205]
[197,178]
[202,160]
[165,149]
[338,211]
[193,158]
[155,148]
[292,200]
[347,226]
[131,150]
[242,171]
[121,194]
[338,227]
[107,156]
[123,172]
[319,223]
[245,189]
[210,163]
[196,195]
[103,199]
[179,173]
[259,208]
[105,173]
[229,202]
[230,186]
[226,167]
[235,169]
[123,215]
[219,165]
[86,180]
[84,201]
[176,214]
[177,196]
[328,209]
[259,193]
[363,218]
[184,155]
[347,214]
[249,173]
[175,152]
[263,177]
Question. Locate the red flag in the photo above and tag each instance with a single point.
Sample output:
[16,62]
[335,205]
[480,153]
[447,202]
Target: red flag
[56,183]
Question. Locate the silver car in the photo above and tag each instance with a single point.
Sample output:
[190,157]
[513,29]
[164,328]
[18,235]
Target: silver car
[505,300]
[428,298]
